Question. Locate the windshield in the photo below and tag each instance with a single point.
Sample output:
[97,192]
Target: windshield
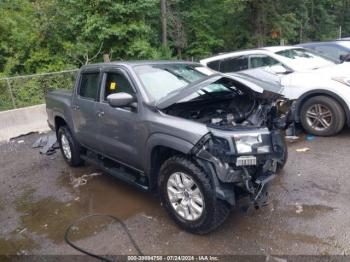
[300,58]
[160,80]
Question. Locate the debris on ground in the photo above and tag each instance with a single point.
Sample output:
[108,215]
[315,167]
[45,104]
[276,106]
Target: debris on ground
[303,149]
[275,259]
[20,141]
[13,139]
[291,138]
[22,252]
[48,143]
[24,229]
[148,217]
[299,208]
[309,138]
[80,181]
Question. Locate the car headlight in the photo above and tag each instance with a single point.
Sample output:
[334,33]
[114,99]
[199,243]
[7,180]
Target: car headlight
[249,143]
[343,80]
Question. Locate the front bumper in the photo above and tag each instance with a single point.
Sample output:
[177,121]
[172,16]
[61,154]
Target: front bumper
[251,179]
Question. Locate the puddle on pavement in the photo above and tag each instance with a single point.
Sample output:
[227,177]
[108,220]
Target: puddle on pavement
[101,194]
[108,195]
[304,211]
[16,245]
[47,216]
[301,238]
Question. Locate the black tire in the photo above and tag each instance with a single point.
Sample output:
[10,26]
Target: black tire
[215,211]
[338,116]
[75,159]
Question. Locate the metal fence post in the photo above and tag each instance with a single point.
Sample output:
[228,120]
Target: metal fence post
[11,94]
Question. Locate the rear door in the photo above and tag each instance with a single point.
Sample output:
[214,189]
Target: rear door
[84,108]
[121,132]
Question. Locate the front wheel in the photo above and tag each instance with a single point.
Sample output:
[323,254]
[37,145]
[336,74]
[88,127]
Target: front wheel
[188,195]
[69,147]
[322,116]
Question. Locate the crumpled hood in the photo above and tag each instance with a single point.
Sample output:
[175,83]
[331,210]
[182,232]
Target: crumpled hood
[177,95]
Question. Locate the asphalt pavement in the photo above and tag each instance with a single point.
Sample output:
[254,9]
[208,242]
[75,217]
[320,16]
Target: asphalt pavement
[41,195]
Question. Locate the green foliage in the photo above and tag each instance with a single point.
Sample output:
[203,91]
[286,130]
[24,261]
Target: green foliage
[51,35]
[32,90]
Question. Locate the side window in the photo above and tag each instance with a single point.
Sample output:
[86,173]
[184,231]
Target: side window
[333,52]
[214,65]
[234,64]
[117,83]
[261,61]
[89,85]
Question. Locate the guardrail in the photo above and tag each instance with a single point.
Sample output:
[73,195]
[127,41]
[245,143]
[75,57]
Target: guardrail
[28,90]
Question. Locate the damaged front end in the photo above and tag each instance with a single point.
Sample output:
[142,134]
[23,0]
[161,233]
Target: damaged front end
[245,145]
[246,156]
[244,161]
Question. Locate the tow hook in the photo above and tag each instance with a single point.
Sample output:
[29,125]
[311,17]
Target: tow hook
[260,198]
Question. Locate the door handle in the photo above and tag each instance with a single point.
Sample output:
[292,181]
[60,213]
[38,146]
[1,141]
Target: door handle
[75,108]
[100,114]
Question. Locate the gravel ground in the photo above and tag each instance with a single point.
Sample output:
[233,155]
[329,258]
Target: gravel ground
[40,196]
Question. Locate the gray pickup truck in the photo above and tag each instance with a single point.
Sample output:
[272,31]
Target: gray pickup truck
[201,140]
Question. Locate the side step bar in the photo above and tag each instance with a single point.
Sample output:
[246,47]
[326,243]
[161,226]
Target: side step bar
[117,170]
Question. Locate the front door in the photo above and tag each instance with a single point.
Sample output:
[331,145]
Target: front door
[120,129]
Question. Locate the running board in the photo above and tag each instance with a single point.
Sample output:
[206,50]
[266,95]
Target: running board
[117,170]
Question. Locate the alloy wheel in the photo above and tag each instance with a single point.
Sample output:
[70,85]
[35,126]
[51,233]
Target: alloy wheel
[66,147]
[185,196]
[319,117]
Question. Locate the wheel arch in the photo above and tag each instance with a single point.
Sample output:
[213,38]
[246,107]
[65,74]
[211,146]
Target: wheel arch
[321,92]
[59,121]
[159,148]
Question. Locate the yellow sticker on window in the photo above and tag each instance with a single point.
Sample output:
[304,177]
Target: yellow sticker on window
[113,86]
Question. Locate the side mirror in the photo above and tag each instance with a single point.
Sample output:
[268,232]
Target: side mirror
[279,69]
[120,99]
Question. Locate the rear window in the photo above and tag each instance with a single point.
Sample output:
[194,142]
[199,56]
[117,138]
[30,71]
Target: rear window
[89,85]
[234,64]
[214,65]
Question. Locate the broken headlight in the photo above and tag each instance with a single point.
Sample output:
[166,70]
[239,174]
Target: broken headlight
[243,142]
[250,143]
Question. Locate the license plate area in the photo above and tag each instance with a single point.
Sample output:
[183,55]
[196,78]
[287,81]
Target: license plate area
[246,161]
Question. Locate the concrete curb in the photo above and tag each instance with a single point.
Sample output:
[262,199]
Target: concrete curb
[21,121]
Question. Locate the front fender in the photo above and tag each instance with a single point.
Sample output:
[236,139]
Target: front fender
[161,139]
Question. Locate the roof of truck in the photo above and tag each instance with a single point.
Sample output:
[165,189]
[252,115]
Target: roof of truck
[138,62]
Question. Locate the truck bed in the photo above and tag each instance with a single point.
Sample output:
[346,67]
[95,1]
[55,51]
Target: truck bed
[58,101]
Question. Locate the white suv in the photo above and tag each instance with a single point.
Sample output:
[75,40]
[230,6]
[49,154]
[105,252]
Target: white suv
[320,86]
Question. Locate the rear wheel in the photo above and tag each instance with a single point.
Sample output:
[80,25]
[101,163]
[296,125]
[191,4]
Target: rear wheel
[69,147]
[188,195]
[322,116]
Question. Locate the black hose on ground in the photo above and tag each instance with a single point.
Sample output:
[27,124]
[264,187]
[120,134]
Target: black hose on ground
[94,255]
